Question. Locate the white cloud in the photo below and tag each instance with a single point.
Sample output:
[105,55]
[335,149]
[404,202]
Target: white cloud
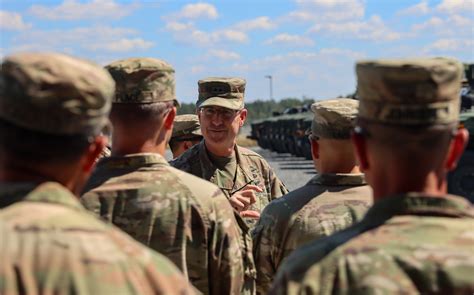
[293,40]
[196,11]
[259,23]
[97,39]
[12,21]
[187,33]
[456,6]
[121,45]
[75,10]
[327,10]
[177,26]
[223,54]
[373,29]
[452,25]
[450,45]
[417,9]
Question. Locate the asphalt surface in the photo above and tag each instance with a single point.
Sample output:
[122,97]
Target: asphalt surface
[293,171]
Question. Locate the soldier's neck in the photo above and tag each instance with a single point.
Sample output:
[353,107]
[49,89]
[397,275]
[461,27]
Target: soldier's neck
[225,151]
[149,146]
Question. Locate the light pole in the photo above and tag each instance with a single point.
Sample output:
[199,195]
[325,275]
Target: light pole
[270,78]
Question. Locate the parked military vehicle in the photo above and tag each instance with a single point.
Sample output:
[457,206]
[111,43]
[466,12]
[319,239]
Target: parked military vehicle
[287,133]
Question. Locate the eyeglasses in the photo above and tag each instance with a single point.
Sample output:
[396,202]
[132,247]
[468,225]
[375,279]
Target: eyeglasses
[226,114]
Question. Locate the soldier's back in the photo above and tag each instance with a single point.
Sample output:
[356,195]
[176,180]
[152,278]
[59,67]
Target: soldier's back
[181,216]
[327,204]
[49,244]
[412,244]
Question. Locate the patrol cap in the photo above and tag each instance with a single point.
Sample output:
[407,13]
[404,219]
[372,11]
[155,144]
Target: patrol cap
[55,93]
[410,92]
[334,118]
[222,92]
[186,126]
[143,80]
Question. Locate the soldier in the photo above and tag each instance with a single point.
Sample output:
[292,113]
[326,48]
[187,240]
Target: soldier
[186,133]
[416,238]
[244,176]
[185,218]
[52,110]
[334,199]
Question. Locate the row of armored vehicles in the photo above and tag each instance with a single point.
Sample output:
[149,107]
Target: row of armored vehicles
[288,133]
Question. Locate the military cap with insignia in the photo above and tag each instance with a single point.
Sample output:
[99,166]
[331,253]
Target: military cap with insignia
[222,92]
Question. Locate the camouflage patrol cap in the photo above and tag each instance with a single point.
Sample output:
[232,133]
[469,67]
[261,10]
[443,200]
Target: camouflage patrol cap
[55,93]
[334,119]
[143,80]
[221,92]
[186,126]
[409,92]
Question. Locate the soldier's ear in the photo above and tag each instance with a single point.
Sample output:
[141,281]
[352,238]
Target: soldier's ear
[314,149]
[456,148]
[169,119]
[93,152]
[359,143]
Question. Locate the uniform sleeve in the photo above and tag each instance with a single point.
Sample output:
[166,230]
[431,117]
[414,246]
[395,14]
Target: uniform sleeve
[226,268]
[91,202]
[277,188]
[264,237]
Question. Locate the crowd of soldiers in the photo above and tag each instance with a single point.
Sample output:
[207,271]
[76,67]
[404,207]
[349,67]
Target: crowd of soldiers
[376,219]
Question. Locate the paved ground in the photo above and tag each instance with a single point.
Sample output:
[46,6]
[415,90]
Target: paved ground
[293,171]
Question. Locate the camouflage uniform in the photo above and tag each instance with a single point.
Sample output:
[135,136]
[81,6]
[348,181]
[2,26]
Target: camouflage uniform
[407,243]
[49,244]
[251,167]
[62,249]
[326,204]
[185,218]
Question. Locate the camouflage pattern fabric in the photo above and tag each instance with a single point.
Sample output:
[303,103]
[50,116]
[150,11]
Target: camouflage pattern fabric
[326,204]
[75,94]
[143,80]
[179,215]
[251,169]
[225,92]
[406,244]
[49,244]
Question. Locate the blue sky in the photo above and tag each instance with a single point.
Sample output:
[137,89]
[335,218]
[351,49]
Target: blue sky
[308,46]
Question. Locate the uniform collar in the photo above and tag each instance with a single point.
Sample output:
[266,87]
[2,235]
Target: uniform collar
[338,179]
[420,204]
[209,169]
[132,160]
[46,192]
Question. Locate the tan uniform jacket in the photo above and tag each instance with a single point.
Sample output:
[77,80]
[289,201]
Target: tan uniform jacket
[49,244]
[183,217]
[326,204]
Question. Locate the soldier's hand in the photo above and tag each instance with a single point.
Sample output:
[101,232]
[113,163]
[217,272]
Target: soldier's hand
[250,214]
[242,200]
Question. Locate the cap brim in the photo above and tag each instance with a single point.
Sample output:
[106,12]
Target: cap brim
[233,104]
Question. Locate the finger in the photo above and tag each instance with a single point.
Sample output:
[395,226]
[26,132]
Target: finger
[236,204]
[250,195]
[253,188]
[244,200]
[250,214]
